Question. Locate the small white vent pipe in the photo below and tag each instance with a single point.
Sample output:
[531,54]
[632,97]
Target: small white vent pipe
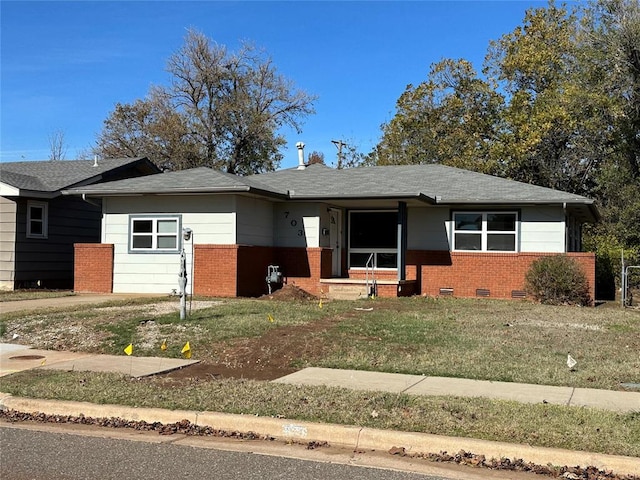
[300,147]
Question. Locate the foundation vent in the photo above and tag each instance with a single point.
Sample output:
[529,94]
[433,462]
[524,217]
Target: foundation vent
[483,292]
[446,291]
[518,294]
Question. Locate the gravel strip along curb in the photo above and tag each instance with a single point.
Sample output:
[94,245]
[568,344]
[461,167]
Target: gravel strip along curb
[355,438]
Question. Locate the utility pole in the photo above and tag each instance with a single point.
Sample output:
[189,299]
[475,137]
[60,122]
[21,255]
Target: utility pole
[339,144]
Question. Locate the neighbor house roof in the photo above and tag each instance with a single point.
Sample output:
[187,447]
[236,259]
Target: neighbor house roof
[431,184]
[48,178]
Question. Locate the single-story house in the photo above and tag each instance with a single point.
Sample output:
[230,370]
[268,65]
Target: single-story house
[393,230]
[38,226]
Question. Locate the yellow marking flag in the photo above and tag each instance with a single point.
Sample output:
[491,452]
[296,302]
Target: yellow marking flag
[128,349]
[270,318]
[186,350]
[320,304]
[163,347]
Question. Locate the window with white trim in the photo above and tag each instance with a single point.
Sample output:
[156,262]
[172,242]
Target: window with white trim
[373,233]
[485,231]
[37,220]
[154,234]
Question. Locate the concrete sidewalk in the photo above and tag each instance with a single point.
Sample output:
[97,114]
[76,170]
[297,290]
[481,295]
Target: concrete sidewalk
[16,358]
[69,300]
[617,401]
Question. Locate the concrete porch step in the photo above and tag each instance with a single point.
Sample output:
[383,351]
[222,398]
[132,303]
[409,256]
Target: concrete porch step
[350,288]
[346,291]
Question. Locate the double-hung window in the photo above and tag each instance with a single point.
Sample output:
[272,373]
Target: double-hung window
[37,220]
[485,231]
[159,234]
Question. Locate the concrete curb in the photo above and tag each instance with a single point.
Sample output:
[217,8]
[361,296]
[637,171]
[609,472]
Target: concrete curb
[351,437]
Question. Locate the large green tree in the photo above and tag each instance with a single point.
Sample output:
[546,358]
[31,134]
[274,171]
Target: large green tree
[551,119]
[611,37]
[221,109]
[611,41]
[452,118]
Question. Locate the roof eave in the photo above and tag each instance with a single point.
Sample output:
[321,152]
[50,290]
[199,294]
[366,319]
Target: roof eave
[20,192]
[578,202]
[173,192]
[420,196]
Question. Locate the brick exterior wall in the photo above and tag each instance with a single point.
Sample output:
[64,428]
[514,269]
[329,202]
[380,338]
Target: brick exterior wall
[252,270]
[240,270]
[499,273]
[215,270]
[304,267]
[93,267]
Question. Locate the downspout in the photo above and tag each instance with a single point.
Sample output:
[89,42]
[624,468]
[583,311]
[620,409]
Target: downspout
[92,202]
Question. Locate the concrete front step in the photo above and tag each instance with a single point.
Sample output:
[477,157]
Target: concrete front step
[347,292]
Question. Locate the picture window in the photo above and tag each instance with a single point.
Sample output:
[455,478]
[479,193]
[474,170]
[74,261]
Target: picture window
[373,233]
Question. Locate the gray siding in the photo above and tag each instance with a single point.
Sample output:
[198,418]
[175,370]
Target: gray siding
[50,260]
[7,242]
[211,217]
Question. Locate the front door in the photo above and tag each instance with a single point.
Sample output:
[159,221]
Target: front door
[335,240]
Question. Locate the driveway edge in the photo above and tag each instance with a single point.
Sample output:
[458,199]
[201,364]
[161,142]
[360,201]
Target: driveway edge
[352,437]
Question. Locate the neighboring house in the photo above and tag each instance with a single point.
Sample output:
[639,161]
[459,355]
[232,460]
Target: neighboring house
[418,229]
[38,226]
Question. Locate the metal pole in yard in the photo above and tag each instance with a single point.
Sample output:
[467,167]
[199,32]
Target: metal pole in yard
[622,282]
[182,281]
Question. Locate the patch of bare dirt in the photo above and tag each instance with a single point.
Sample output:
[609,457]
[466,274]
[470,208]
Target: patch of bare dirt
[263,358]
[289,292]
[269,356]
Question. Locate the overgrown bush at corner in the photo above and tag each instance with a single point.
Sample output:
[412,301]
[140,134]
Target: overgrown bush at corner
[557,280]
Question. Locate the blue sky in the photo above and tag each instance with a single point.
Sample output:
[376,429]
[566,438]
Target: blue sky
[64,65]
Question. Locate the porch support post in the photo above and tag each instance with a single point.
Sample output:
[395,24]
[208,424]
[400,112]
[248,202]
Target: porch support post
[402,240]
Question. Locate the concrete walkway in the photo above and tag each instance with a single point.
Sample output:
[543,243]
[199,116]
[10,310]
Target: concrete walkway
[16,358]
[69,300]
[616,401]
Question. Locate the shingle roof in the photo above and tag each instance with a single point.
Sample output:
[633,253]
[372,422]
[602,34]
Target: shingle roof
[51,176]
[194,180]
[437,184]
[440,183]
